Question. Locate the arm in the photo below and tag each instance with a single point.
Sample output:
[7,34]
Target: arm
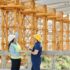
[35,52]
[18,48]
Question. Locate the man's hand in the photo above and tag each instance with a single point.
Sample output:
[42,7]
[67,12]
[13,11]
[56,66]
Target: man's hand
[35,52]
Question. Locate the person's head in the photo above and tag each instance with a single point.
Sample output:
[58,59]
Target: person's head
[11,39]
[37,37]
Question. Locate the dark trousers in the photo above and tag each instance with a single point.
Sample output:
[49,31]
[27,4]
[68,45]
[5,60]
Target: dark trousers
[15,64]
[35,68]
[32,68]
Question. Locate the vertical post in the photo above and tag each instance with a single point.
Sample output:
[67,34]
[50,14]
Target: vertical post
[45,29]
[20,28]
[54,35]
[67,33]
[4,37]
[23,32]
[33,22]
[61,33]
[45,35]
[3,30]
[6,13]
[54,31]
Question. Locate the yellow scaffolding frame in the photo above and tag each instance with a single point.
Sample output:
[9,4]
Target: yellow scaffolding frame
[35,15]
[28,18]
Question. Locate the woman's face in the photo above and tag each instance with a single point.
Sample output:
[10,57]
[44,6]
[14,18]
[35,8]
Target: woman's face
[14,40]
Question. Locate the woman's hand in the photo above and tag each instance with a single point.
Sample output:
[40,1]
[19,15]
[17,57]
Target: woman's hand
[29,48]
[22,52]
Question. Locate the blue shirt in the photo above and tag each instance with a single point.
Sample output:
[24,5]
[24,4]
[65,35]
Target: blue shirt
[36,59]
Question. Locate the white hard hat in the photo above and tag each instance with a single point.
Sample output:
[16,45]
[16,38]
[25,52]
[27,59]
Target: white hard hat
[10,38]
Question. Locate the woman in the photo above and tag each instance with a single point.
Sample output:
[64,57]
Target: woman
[14,50]
[36,53]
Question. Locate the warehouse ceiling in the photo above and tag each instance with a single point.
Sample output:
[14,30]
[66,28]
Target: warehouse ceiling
[60,5]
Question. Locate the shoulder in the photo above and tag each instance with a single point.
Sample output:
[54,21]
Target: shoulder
[12,45]
[38,44]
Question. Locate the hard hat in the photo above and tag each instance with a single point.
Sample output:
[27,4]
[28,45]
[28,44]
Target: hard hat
[37,37]
[10,38]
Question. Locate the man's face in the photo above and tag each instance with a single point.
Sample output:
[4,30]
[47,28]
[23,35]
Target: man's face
[35,40]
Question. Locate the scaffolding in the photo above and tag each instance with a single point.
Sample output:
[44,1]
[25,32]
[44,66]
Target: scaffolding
[27,18]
